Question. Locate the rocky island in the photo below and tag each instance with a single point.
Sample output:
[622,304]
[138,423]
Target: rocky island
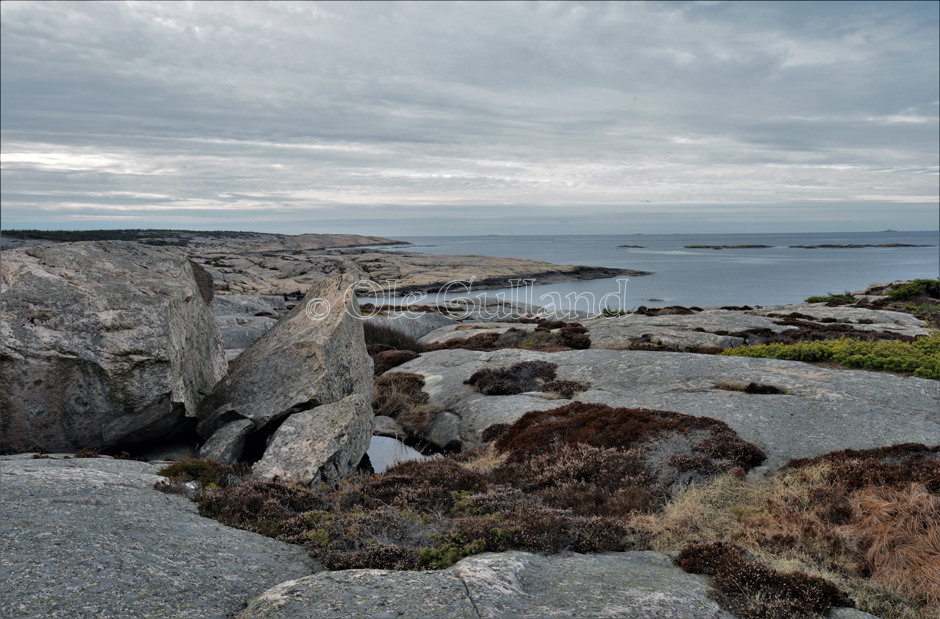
[665,462]
[727,246]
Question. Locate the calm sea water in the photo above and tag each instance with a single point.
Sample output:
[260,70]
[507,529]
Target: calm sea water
[707,277]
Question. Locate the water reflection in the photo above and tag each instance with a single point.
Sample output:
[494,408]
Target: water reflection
[385,452]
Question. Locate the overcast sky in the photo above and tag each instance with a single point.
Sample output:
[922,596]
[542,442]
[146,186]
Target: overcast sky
[481,118]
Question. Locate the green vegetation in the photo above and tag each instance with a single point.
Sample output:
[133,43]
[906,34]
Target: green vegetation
[609,313]
[920,357]
[833,299]
[841,529]
[208,473]
[578,492]
[917,288]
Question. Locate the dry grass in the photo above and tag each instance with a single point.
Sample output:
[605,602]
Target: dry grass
[879,541]
[900,532]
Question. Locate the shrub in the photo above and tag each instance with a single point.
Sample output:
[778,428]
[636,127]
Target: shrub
[917,288]
[833,299]
[920,357]
[589,481]
[388,359]
[549,336]
[866,520]
[207,473]
[397,392]
[751,589]
[377,334]
[600,425]
[518,378]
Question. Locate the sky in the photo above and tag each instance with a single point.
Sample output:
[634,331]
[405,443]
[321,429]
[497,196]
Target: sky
[409,119]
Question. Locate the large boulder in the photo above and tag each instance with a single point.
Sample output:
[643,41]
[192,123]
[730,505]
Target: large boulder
[509,584]
[794,410]
[324,444]
[103,344]
[92,538]
[314,355]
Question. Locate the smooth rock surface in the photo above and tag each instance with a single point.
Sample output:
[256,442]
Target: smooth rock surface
[717,328]
[92,538]
[228,443]
[468,329]
[242,319]
[301,363]
[293,272]
[510,584]
[101,344]
[386,426]
[822,410]
[324,444]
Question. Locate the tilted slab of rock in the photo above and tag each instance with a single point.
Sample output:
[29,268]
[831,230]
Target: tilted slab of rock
[509,584]
[92,538]
[716,328]
[103,343]
[324,444]
[821,410]
[228,443]
[305,360]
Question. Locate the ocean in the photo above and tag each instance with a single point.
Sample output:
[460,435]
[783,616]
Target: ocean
[702,277]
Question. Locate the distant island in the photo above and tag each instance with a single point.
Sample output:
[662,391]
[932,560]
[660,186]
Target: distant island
[633,246]
[857,245]
[727,246]
[250,241]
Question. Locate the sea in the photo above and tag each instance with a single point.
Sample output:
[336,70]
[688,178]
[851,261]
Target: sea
[686,276]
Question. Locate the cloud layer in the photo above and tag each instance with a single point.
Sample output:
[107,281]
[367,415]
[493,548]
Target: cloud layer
[439,118]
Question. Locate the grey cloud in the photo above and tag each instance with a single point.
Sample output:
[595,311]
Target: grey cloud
[368,112]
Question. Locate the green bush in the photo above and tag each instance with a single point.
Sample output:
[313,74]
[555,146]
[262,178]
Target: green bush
[920,357]
[834,299]
[918,287]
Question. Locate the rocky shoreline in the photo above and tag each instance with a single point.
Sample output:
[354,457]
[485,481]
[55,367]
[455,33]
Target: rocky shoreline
[110,343]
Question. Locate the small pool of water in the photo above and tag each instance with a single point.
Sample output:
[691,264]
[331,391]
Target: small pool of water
[385,452]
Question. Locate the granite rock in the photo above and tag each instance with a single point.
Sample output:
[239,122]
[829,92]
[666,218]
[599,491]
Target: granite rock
[323,444]
[509,584]
[818,410]
[307,359]
[92,538]
[103,344]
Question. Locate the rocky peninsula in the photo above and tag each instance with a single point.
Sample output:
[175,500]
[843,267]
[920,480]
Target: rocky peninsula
[623,465]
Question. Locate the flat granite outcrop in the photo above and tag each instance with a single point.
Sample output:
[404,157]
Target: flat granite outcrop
[703,328]
[92,538]
[293,272]
[720,328]
[818,410]
[509,584]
